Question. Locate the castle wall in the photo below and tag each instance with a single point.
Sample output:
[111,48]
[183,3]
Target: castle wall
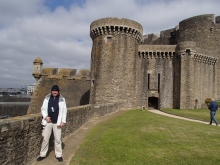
[190,76]
[20,137]
[150,39]
[218,76]
[15,99]
[206,88]
[156,73]
[206,70]
[12,109]
[166,37]
[187,81]
[14,106]
[113,73]
[197,76]
[75,88]
[176,81]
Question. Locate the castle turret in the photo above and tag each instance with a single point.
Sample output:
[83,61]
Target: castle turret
[113,62]
[37,68]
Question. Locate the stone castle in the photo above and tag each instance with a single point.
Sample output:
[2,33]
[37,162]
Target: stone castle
[177,69]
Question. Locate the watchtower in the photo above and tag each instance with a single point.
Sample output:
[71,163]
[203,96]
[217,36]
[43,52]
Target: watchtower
[37,68]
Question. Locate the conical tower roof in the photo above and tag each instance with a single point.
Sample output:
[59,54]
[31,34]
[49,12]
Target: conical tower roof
[38,60]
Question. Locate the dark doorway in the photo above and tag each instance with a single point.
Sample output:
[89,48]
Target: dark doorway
[85,98]
[153,102]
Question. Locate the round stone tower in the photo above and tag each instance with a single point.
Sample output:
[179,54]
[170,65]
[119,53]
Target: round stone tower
[113,61]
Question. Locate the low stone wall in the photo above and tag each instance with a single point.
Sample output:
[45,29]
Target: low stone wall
[13,108]
[16,99]
[20,137]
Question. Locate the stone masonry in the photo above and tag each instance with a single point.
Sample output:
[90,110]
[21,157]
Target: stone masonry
[177,69]
[75,88]
[113,72]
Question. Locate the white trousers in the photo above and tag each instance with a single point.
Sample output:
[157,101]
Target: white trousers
[46,133]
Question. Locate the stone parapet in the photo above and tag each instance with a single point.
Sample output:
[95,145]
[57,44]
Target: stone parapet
[198,54]
[156,51]
[159,55]
[157,48]
[205,59]
[84,73]
[49,71]
[58,74]
[75,88]
[65,72]
[14,108]
[108,26]
[20,137]
[55,73]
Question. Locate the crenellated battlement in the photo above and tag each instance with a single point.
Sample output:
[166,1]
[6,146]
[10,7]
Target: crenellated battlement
[156,51]
[109,26]
[108,30]
[58,74]
[74,87]
[55,73]
[159,55]
[202,58]
[205,59]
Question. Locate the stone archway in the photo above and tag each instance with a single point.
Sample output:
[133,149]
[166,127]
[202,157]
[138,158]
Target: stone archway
[153,102]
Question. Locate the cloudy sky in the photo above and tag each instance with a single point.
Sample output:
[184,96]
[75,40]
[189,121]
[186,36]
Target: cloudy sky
[57,31]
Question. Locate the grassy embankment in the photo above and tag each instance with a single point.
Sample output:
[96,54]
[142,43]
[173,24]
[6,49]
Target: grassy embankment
[144,138]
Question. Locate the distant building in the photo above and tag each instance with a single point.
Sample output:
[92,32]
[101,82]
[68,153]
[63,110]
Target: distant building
[30,89]
[23,91]
[9,92]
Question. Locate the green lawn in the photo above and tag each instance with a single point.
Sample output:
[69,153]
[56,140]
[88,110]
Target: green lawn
[144,138]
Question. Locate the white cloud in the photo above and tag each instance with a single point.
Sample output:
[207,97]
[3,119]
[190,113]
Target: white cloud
[61,37]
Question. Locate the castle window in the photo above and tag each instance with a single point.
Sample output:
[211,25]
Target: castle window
[148,79]
[196,101]
[92,83]
[109,40]
[158,82]
[171,34]
[188,51]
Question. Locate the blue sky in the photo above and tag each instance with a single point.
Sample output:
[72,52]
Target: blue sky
[57,31]
[53,4]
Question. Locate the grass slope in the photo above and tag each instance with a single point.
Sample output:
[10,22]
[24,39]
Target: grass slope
[143,138]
